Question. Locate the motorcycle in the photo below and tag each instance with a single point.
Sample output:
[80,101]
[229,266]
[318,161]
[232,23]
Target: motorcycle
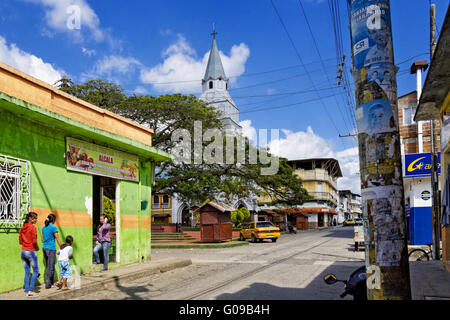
[355,285]
[291,229]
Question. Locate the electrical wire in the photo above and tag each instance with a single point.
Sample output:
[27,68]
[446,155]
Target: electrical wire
[301,61]
[323,66]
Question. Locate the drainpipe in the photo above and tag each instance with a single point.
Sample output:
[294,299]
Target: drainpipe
[416,68]
[419,125]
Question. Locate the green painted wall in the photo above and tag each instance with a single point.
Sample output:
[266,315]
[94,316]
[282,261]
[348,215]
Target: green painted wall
[53,187]
[145,208]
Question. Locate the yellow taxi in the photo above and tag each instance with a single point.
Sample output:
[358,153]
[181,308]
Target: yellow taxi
[259,230]
[349,222]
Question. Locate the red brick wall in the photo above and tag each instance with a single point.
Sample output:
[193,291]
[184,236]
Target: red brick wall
[197,236]
[409,132]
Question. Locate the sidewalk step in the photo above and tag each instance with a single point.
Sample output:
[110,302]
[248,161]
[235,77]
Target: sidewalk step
[120,275]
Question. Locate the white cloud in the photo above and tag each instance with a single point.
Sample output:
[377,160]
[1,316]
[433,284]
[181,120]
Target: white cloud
[28,63]
[88,52]
[74,17]
[140,91]
[307,144]
[181,71]
[248,130]
[110,67]
[299,145]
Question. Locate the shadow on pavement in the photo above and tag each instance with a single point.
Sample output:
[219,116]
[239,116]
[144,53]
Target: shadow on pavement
[317,289]
[131,292]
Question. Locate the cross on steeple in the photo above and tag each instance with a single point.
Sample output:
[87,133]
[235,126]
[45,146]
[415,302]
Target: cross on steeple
[214,31]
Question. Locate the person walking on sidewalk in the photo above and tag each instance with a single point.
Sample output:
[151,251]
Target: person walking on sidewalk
[49,235]
[65,254]
[28,240]
[103,242]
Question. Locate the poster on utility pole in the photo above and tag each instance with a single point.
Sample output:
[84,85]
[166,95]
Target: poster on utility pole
[371,31]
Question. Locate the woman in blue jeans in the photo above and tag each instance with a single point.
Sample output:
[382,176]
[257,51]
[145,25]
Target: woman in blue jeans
[103,242]
[28,240]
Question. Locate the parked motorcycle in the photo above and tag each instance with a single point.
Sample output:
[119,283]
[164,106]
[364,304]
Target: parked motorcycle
[291,229]
[355,285]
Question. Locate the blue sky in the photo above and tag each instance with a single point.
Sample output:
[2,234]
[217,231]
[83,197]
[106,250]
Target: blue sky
[159,47]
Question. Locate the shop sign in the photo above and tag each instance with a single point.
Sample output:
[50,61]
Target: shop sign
[419,164]
[97,160]
[425,195]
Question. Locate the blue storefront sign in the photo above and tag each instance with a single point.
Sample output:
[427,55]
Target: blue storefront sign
[419,165]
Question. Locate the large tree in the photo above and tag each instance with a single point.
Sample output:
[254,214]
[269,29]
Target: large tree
[193,183]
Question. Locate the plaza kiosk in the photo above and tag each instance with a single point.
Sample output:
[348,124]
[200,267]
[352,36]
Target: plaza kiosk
[215,222]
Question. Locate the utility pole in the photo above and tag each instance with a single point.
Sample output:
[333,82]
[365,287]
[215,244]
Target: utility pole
[382,194]
[436,239]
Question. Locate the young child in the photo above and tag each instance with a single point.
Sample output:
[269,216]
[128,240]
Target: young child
[65,253]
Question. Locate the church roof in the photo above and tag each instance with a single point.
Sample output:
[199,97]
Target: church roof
[214,69]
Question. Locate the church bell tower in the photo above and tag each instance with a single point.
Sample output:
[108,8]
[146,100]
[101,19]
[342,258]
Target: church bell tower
[215,89]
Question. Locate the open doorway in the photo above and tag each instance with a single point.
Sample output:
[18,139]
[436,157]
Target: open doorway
[320,219]
[104,202]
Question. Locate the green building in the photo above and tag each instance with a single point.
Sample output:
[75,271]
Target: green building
[62,155]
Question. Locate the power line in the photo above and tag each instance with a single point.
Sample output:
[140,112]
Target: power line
[283,94]
[335,17]
[320,57]
[290,105]
[301,61]
[243,75]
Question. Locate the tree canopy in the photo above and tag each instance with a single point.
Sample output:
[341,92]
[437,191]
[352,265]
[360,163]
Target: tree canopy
[192,183]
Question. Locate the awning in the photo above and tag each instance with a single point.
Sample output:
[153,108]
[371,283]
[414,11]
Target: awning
[436,87]
[316,210]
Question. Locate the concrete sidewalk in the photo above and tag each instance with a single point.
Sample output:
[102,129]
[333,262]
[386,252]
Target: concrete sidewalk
[96,281]
[429,280]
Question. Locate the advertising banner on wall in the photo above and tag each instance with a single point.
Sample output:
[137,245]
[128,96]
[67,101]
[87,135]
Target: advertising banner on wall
[97,160]
[419,165]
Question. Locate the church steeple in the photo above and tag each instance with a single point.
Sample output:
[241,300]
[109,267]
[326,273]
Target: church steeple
[215,89]
[214,69]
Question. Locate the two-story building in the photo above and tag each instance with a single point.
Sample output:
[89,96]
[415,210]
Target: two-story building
[349,206]
[61,155]
[435,105]
[355,206]
[319,177]
[343,208]
[415,142]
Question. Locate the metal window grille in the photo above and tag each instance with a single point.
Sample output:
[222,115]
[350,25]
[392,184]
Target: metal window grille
[15,197]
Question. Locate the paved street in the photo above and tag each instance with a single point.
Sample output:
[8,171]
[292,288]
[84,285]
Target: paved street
[291,268]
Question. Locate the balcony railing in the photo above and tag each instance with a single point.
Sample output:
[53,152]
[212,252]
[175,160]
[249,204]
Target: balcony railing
[165,205]
[323,196]
[316,175]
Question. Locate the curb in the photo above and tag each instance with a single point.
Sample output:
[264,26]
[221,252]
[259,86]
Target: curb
[113,280]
